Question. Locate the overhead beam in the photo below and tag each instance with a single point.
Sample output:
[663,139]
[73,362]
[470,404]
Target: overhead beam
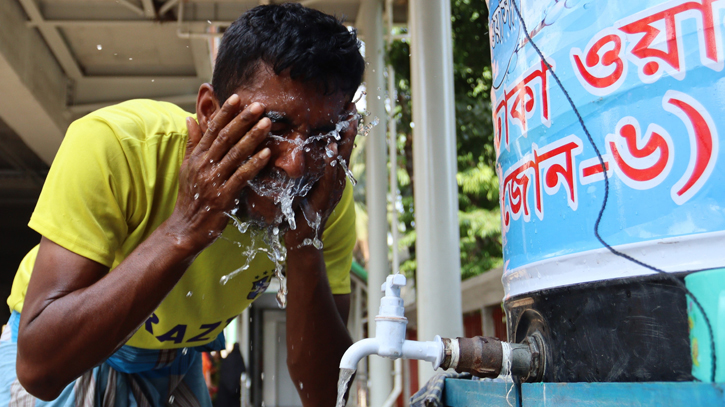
[149,10]
[167,6]
[105,89]
[81,109]
[136,9]
[194,24]
[202,61]
[33,84]
[54,39]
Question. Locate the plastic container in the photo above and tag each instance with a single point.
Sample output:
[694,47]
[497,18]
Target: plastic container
[647,78]
[709,288]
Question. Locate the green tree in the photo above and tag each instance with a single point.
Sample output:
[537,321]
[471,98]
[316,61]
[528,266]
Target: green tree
[479,215]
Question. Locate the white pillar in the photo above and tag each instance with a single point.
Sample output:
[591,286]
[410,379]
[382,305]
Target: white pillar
[371,15]
[244,337]
[434,163]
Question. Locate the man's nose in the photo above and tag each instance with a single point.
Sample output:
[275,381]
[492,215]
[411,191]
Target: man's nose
[291,158]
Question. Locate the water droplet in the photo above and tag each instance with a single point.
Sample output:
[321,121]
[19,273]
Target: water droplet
[184,351]
[236,202]
[211,161]
[208,21]
[99,47]
[302,386]
[207,208]
[224,280]
[189,294]
[153,80]
[218,194]
[130,59]
[171,400]
[275,230]
[196,196]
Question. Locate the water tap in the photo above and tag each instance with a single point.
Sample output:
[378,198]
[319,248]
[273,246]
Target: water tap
[389,341]
[480,356]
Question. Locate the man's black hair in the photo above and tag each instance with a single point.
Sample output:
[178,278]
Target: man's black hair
[313,46]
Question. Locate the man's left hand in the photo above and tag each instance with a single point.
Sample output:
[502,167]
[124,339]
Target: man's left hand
[314,210]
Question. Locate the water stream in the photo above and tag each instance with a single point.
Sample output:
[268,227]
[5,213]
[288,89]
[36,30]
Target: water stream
[342,383]
[283,190]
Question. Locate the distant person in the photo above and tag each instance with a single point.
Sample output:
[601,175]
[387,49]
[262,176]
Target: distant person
[229,390]
[127,286]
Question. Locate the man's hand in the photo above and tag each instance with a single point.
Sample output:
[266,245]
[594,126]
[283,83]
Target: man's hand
[216,168]
[76,313]
[316,208]
[312,356]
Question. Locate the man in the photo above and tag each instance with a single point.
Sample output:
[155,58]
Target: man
[146,192]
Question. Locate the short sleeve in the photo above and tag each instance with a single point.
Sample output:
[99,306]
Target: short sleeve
[84,202]
[339,240]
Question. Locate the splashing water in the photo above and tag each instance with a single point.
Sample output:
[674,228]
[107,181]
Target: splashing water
[342,383]
[314,221]
[283,190]
[351,177]
[368,128]
[270,245]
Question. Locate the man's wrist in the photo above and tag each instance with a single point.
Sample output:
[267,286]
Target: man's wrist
[179,241]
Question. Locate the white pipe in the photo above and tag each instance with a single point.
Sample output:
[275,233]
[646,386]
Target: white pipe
[397,384]
[371,15]
[429,351]
[438,285]
[357,351]
[393,150]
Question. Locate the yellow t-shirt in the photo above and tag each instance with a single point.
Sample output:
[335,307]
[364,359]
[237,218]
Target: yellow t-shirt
[114,180]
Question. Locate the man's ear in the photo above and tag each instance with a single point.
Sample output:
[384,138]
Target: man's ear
[206,105]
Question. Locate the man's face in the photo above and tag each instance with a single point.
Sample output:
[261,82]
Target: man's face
[303,118]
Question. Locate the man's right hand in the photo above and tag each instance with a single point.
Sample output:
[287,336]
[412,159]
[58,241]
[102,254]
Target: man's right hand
[217,166]
[76,313]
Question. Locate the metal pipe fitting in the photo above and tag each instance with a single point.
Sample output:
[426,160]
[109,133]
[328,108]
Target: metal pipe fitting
[490,357]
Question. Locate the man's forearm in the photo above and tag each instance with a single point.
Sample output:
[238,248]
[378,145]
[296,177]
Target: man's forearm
[64,333]
[316,334]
